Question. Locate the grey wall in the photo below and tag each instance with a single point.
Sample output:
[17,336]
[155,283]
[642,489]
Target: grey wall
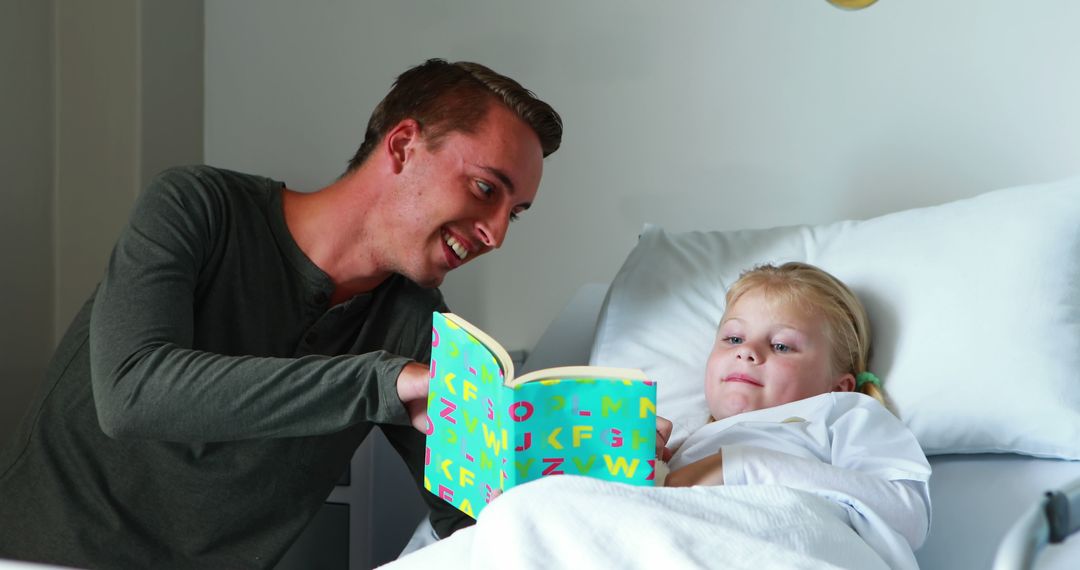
[98,96]
[697,114]
[129,104]
[170,85]
[97,116]
[26,237]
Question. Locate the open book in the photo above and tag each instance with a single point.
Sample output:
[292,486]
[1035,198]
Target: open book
[489,430]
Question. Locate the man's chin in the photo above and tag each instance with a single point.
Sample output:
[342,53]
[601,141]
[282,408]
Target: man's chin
[428,280]
[431,283]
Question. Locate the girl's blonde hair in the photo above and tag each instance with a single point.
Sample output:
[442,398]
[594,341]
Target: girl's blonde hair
[816,291]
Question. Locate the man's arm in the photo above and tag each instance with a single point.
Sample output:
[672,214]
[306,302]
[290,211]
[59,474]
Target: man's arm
[148,380]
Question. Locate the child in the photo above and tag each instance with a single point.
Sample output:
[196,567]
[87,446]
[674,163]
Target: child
[792,404]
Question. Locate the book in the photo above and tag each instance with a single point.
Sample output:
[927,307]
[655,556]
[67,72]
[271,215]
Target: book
[490,430]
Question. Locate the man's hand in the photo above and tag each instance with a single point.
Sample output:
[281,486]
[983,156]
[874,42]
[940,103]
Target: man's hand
[663,433]
[412,390]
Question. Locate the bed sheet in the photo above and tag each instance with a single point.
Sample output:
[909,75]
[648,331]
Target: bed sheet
[578,522]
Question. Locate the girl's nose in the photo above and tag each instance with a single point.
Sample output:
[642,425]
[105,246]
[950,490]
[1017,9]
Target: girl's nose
[747,353]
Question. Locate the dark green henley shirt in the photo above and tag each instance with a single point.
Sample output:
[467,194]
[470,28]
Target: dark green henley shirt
[203,403]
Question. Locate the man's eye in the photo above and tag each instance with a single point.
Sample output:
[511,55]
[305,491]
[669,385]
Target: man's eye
[485,188]
[733,340]
[513,216]
[781,347]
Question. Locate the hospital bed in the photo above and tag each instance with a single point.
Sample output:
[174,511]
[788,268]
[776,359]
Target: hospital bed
[977,499]
[975,311]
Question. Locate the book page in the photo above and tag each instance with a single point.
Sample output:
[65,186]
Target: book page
[579,372]
[493,345]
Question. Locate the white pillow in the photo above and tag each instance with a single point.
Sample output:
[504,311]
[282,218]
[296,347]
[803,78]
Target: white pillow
[974,309]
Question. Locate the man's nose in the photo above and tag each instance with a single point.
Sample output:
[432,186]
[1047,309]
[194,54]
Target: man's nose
[492,230]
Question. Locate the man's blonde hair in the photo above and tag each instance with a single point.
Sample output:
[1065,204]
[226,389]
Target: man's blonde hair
[817,292]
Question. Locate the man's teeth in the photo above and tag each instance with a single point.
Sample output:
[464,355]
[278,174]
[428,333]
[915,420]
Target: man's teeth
[459,249]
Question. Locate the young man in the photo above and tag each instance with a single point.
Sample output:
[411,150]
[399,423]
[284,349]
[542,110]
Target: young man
[246,337]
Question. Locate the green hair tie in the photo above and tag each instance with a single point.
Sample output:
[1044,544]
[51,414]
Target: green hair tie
[864,377]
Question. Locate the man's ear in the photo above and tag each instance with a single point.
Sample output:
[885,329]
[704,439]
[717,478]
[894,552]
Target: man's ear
[399,143]
[845,383]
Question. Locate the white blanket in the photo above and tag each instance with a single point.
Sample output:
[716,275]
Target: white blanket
[577,522]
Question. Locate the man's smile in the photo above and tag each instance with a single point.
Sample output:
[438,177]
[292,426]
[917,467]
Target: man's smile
[454,250]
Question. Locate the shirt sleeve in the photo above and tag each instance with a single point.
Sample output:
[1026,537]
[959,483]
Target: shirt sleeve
[148,380]
[869,457]
[903,504]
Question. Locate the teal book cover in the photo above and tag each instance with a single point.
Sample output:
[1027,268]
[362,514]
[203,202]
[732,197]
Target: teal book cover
[488,430]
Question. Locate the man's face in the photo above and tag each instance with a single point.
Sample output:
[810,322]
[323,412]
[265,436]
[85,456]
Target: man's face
[456,201]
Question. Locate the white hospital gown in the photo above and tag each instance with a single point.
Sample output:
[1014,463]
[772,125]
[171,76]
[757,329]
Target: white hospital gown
[843,446]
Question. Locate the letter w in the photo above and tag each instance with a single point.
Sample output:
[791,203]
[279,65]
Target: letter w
[620,465]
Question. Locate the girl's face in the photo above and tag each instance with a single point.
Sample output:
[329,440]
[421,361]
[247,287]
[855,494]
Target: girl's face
[768,353]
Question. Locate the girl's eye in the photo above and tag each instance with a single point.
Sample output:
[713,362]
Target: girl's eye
[781,347]
[513,216]
[733,340]
[485,188]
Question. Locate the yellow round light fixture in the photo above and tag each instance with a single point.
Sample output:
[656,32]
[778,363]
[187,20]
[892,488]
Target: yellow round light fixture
[851,4]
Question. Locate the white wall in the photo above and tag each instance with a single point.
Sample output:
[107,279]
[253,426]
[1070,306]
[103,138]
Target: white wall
[702,114]
[26,243]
